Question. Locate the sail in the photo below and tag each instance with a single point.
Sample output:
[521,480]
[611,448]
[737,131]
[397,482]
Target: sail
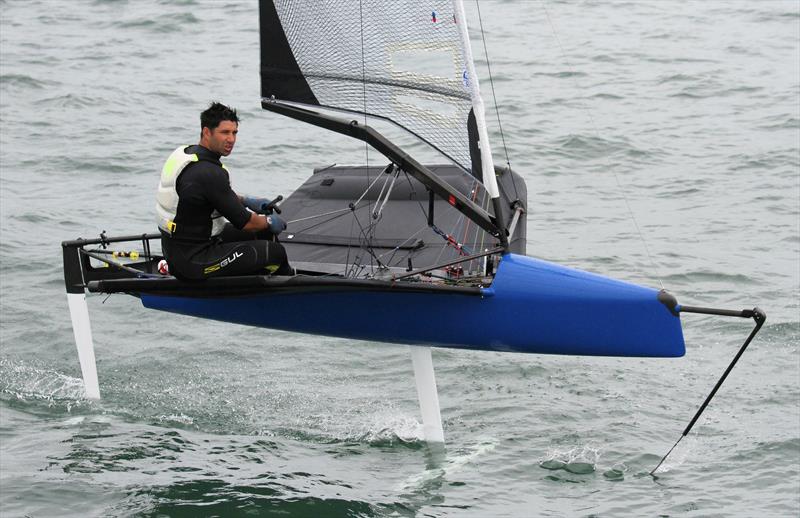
[401,61]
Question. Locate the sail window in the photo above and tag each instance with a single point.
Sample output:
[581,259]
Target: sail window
[427,107]
[426,63]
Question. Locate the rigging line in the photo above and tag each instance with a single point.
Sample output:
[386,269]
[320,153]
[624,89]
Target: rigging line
[363,65]
[365,236]
[367,190]
[494,95]
[337,211]
[353,207]
[315,225]
[379,197]
[475,189]
[446,245]
[597,134]
[452,241]
[458,223]
[364,86]
[338,214]
[395,249]
[364,102]
[347,258]
[421,207]
[382,203]
[367,246]
[473,197]
[476,193]
[480,237]
[414,192]
[449,263]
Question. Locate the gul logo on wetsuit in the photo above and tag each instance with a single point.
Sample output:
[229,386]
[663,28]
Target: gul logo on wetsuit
[222,264]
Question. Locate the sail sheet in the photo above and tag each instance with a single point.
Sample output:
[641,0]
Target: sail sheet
[400,61]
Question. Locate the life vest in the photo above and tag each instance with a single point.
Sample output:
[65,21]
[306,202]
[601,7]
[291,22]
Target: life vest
[167,196]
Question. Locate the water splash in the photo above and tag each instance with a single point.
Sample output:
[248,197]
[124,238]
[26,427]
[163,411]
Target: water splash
[176,419]
[29,383]
[388,427]
[679,455]
[442,465]
[580,460]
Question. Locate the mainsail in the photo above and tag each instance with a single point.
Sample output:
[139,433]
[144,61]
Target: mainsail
[401,61]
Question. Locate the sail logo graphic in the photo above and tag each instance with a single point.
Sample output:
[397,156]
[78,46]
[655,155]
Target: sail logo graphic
[435,19]
[222,264]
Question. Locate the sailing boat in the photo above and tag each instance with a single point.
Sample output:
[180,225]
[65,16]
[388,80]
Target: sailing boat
[399,252]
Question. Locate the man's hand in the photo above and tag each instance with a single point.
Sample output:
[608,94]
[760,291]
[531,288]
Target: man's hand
[257,205]
[276,224]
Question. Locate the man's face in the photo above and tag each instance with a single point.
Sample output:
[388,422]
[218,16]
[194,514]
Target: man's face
[222,138]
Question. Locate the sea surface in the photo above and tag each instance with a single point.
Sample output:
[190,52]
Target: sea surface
[660,141]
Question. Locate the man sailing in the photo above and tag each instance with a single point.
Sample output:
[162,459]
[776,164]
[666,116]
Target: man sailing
[206,228]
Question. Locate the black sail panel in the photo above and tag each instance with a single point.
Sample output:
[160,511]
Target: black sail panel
[281,76]
[474,147]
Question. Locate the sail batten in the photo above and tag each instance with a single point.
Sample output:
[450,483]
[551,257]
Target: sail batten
[387,82]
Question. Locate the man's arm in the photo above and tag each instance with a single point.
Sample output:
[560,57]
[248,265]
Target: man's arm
[229,204]
[256,223]
[259,222]
[218,192]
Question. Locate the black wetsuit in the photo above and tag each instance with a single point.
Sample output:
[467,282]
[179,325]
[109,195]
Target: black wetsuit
[203,187]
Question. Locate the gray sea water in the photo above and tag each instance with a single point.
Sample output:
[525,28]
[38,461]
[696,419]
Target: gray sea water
[661,144]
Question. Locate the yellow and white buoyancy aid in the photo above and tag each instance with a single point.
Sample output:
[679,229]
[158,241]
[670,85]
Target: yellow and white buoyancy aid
[167,196]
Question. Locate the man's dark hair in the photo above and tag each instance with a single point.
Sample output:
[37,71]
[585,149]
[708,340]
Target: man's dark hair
[216,113]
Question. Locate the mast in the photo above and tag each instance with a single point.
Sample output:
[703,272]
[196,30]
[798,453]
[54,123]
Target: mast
[487,163]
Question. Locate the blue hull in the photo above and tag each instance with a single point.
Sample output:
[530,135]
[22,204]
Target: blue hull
[532,307]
